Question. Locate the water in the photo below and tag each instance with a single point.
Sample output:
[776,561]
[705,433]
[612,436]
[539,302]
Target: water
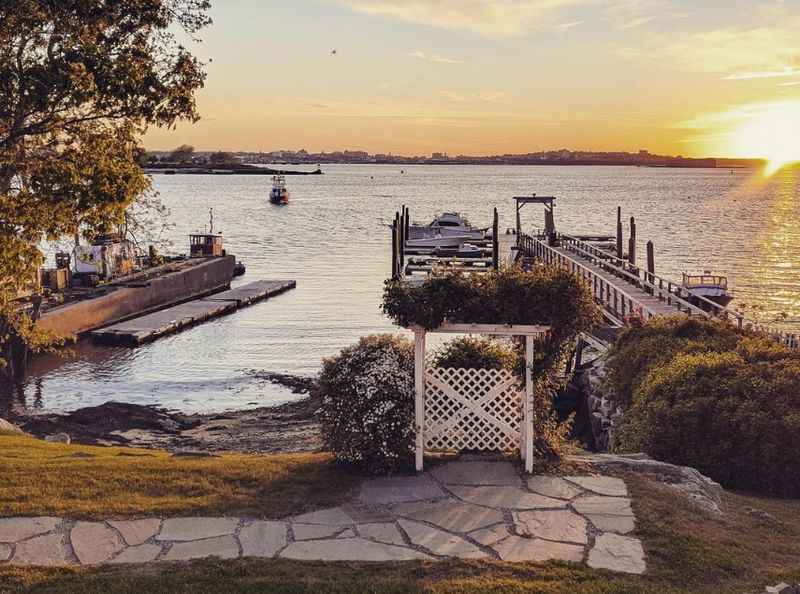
[330,239]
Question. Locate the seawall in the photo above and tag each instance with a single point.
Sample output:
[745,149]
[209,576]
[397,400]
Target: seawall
[123,302]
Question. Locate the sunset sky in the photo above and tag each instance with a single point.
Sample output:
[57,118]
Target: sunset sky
[717,77]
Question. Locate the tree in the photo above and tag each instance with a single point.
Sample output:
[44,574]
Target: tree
[222,158]
[80,81]
[182,154]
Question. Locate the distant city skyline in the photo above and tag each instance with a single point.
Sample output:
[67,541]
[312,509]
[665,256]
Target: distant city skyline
[500,76]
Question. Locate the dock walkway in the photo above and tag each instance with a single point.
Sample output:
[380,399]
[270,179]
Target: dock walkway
[167,321]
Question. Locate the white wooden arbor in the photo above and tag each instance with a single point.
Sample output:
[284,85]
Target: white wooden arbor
[474,408]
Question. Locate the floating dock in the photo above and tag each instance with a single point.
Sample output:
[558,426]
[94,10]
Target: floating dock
[167,321]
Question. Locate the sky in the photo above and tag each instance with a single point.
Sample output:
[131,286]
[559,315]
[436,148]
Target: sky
[477,77]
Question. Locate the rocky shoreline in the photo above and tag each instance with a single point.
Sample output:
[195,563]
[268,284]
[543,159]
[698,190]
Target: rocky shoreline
[290,427]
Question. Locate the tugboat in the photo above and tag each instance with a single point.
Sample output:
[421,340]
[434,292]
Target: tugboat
[279,194]
[713,287]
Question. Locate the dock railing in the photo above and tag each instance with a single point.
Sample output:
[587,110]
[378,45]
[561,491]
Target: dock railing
[620,298]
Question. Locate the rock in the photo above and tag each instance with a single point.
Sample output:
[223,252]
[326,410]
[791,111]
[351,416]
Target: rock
[553,486]
[6,427]
[381,532]
[517,549]
[617,553]
[224,547]
[184,529]
[699,489]
[559,525]
[782,588]
[47,550]
[262,539]
[384,491]
[314,531]
[136,532]
[505,497]
[440,542]
[335,516]
[602,485]
[140,554]
[16,529]
[351,549]
[761,515]
[477,473]
[450,515]
[5,552]
[58,438]
[94,542]
[346,534]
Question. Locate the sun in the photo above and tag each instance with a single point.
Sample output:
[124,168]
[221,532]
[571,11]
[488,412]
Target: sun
[771,132]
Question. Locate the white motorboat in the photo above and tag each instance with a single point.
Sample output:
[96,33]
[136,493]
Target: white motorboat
[438,241]
[447,224]
[466,250]
[713,287]
[279,193]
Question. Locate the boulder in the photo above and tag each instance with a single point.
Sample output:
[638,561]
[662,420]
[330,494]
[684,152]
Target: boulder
[6,427]
[58,438]
[698,488]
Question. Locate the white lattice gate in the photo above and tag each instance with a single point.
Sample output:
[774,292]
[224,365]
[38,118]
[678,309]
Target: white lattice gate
[472,409]
[475,409]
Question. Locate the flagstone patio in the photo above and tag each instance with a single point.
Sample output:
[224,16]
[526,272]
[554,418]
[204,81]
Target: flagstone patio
[466,509]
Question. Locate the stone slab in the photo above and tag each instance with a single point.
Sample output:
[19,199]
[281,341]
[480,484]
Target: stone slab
[440,542]
[489,536]
[335,516]
[5,552]
[613,506]
[45,550]
[187,529]
[224,547]
[94,542]
[136,532]
[451,515]
[505,498]
[518,549]
[553,486]
[602,485]
[351,549]
[16,529]
[478,473]
[618,524]
[314,531]
[617,553]
[262,539]
[145,553]
[385,491]
[560,525]
[346,534]
[381,532]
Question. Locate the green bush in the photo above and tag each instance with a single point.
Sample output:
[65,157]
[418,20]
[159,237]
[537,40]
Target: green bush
[367,404]
[703,394]
[475,353]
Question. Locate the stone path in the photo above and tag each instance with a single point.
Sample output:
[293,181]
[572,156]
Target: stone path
[465,509]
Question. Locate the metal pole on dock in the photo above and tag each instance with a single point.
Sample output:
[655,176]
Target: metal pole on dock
[651,263]
[495,241]
[632,243]
[619,232]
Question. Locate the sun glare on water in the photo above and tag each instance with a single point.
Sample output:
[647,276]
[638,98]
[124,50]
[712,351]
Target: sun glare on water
[773,133]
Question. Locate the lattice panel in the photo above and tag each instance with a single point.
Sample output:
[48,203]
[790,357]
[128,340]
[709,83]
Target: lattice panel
[472,409]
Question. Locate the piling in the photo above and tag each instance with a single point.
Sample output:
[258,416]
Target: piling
[651,263]
[619,232]
[495,241]
[395,267]
[632,243]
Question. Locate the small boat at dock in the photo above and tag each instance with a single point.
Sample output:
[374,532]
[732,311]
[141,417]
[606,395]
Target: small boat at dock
[279,193]
[713,287]
[448,230]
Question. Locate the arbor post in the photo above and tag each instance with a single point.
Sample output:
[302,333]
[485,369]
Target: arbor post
[419,395]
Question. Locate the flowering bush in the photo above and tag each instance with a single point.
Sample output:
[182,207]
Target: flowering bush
[480,353]
[367,404]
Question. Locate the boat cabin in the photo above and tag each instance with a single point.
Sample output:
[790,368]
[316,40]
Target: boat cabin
[202,245]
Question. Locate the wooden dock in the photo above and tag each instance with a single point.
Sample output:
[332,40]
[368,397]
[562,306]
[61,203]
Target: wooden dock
[149,327]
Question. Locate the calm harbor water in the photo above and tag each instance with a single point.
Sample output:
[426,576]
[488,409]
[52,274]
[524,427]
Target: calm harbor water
[331,240]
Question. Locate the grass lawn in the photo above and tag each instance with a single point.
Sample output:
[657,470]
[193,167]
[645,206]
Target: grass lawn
[84,482]
[688,552]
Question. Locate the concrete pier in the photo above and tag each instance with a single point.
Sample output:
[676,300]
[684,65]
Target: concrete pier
[167,321]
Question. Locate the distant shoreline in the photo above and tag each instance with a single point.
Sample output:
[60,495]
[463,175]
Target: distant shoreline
[222,169]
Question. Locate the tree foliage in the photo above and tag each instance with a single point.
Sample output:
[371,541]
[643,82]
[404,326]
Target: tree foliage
[182,154]
[80,81]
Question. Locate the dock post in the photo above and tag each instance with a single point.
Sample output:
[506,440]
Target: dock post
[395,255]
[619,232]
[651,263]
[632,243]
[402,246]
[495,241]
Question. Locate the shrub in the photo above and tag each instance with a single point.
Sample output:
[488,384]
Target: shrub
[475,353]
[367,404]
[735,420]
